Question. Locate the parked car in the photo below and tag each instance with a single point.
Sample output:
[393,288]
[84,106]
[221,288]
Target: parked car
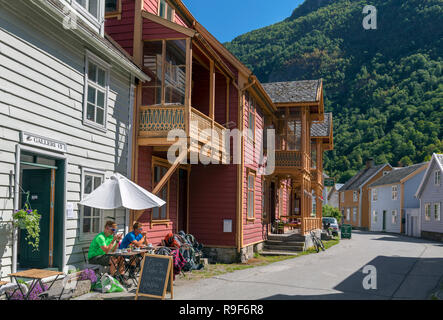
[333,224]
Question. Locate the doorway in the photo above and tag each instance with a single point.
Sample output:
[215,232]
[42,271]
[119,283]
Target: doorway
[272,203]
[42,185]
[384,221]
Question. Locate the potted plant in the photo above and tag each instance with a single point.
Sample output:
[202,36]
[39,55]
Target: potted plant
[29,220]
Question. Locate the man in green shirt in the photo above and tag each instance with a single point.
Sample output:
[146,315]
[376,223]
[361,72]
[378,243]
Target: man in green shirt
[104,243]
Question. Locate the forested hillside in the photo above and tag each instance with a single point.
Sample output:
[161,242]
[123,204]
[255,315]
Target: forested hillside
[383,86]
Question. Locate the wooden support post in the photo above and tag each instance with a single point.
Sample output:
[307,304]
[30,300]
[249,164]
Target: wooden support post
[170,172]
[188,97]
[228,84]
[212,90]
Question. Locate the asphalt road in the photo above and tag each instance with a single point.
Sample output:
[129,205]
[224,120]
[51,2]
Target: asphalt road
[406,268]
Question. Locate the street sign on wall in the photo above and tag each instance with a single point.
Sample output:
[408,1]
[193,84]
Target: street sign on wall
[329,182]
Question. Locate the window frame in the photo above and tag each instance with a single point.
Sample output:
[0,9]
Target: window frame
[95,21]
[437,178]
[354,196]
[428,209]
[375,216]
[248,190]
[354,214]
[158,162]
[394,192]
[436,213]
[90,57]
[342,197]
[168,5]
[94,173]
[348,214]
[394,217]
[115,14]
[374,195]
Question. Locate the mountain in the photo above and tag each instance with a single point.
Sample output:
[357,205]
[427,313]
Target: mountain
[383,86]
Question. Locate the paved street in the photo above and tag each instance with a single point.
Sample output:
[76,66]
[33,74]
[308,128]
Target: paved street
[407,268]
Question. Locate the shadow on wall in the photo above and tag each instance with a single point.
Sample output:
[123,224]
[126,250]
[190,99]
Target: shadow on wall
[5,242]
[396,277]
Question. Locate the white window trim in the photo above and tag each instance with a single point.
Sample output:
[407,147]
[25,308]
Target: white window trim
[430,211]
[437,173]
[93,172]
[354,196]
[375,216]
[433,211]
[95,22]
[348,214]
[374,195]
[394,214]
[107,67]
[166,11]
[394,192]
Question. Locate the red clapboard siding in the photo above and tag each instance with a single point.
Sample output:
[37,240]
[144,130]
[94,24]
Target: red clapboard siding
[152,7]
[122,31]
[153,31]
[212,198]
[252,230]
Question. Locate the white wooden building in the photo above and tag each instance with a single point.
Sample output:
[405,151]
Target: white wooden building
[66,113]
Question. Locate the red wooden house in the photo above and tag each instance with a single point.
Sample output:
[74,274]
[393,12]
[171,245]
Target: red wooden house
[197,85]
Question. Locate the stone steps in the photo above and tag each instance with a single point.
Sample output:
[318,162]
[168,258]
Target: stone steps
[278,253]
[298,248]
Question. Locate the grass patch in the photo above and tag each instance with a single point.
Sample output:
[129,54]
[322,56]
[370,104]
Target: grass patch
[213,270]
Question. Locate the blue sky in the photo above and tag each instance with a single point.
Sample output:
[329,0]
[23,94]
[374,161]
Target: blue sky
[227,19]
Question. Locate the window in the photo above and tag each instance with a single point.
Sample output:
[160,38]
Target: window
[251,195]
[165,62]
[375,216]
[355,196]
[162,212]
[394,217]
[385,173]
[437,211]
[251,117]
[314,206]
[354,214]
[113,8]
[91,217]
[437,177]
[313,154]
[96,91]
[348,214]
[165,10]
[394,192]
[427,211]
[374,194]
[342,196]
[91,6]
[293,138]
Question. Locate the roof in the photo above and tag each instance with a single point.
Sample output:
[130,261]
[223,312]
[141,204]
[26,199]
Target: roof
[438,159]
[293,91]
[397,175]
[100,43]
[322,129]
[338,186]
[362,177]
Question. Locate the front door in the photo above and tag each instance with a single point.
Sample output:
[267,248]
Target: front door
[38,183]
[384,221]
[272,203]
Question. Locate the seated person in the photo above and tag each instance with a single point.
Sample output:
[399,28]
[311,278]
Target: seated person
[104,243]
[135,238]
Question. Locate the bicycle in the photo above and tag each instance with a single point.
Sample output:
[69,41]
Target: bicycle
[318,244]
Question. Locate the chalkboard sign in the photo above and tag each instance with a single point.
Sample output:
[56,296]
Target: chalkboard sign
[156,277]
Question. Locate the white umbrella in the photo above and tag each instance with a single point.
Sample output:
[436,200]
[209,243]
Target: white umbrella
[118,192]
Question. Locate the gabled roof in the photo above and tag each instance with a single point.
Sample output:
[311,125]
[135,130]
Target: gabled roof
[336,187]
[294,91]
[362,177]
[323,128]
[397,175]
[438,160]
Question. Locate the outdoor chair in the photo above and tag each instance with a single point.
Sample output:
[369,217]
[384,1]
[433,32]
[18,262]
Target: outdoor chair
[10,288]
[99,269]
[63,292]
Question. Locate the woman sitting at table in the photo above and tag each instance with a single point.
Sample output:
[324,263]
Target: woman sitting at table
[135,238]
[103,244]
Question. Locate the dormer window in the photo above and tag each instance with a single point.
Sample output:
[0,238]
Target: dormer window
[165,10]
[437,177]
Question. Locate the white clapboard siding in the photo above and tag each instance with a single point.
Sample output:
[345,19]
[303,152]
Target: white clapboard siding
[42,92]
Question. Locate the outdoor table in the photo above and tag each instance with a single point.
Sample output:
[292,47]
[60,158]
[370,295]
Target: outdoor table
[36,275]
[131,256]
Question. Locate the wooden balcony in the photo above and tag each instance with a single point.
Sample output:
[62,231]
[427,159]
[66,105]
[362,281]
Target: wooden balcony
[157,121]
[291,162]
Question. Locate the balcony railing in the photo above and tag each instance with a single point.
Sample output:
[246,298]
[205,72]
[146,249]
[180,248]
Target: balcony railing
[289,160]
[157,121]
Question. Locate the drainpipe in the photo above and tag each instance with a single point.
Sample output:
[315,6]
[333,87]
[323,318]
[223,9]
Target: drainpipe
[16,204]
